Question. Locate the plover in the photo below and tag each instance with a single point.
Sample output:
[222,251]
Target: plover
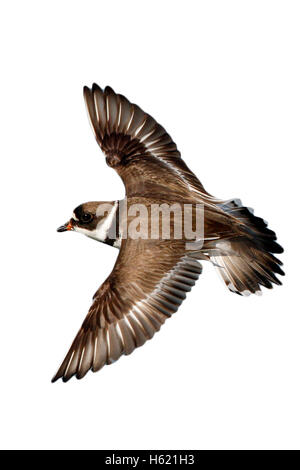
[152,275]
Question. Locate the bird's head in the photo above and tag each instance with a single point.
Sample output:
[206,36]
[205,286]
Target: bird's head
[94,219]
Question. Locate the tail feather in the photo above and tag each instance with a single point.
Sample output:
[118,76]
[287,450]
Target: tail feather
[246,262]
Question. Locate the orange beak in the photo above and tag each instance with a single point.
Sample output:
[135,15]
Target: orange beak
[67,226]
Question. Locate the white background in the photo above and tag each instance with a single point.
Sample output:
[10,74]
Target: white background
[223,78]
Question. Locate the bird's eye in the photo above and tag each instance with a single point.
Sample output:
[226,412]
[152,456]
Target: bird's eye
[86,217]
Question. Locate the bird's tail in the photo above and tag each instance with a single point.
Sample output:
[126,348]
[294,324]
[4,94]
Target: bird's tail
[246,262]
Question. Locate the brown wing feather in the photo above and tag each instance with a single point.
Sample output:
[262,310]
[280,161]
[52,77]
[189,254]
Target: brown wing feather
[137,147]
[130,307]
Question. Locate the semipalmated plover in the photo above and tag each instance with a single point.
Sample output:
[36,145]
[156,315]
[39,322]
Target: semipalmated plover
[153,273]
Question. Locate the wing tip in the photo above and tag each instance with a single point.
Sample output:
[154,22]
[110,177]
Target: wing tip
[76,374]
[96,87]
[109,91]
[55,378]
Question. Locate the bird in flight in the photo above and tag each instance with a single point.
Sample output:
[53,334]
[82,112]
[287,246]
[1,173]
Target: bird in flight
[153,274]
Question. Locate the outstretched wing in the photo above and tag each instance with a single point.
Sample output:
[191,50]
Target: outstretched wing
[137,147]
[130,307]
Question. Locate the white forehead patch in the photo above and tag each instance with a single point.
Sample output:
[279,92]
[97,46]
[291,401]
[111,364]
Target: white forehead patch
[74,217]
